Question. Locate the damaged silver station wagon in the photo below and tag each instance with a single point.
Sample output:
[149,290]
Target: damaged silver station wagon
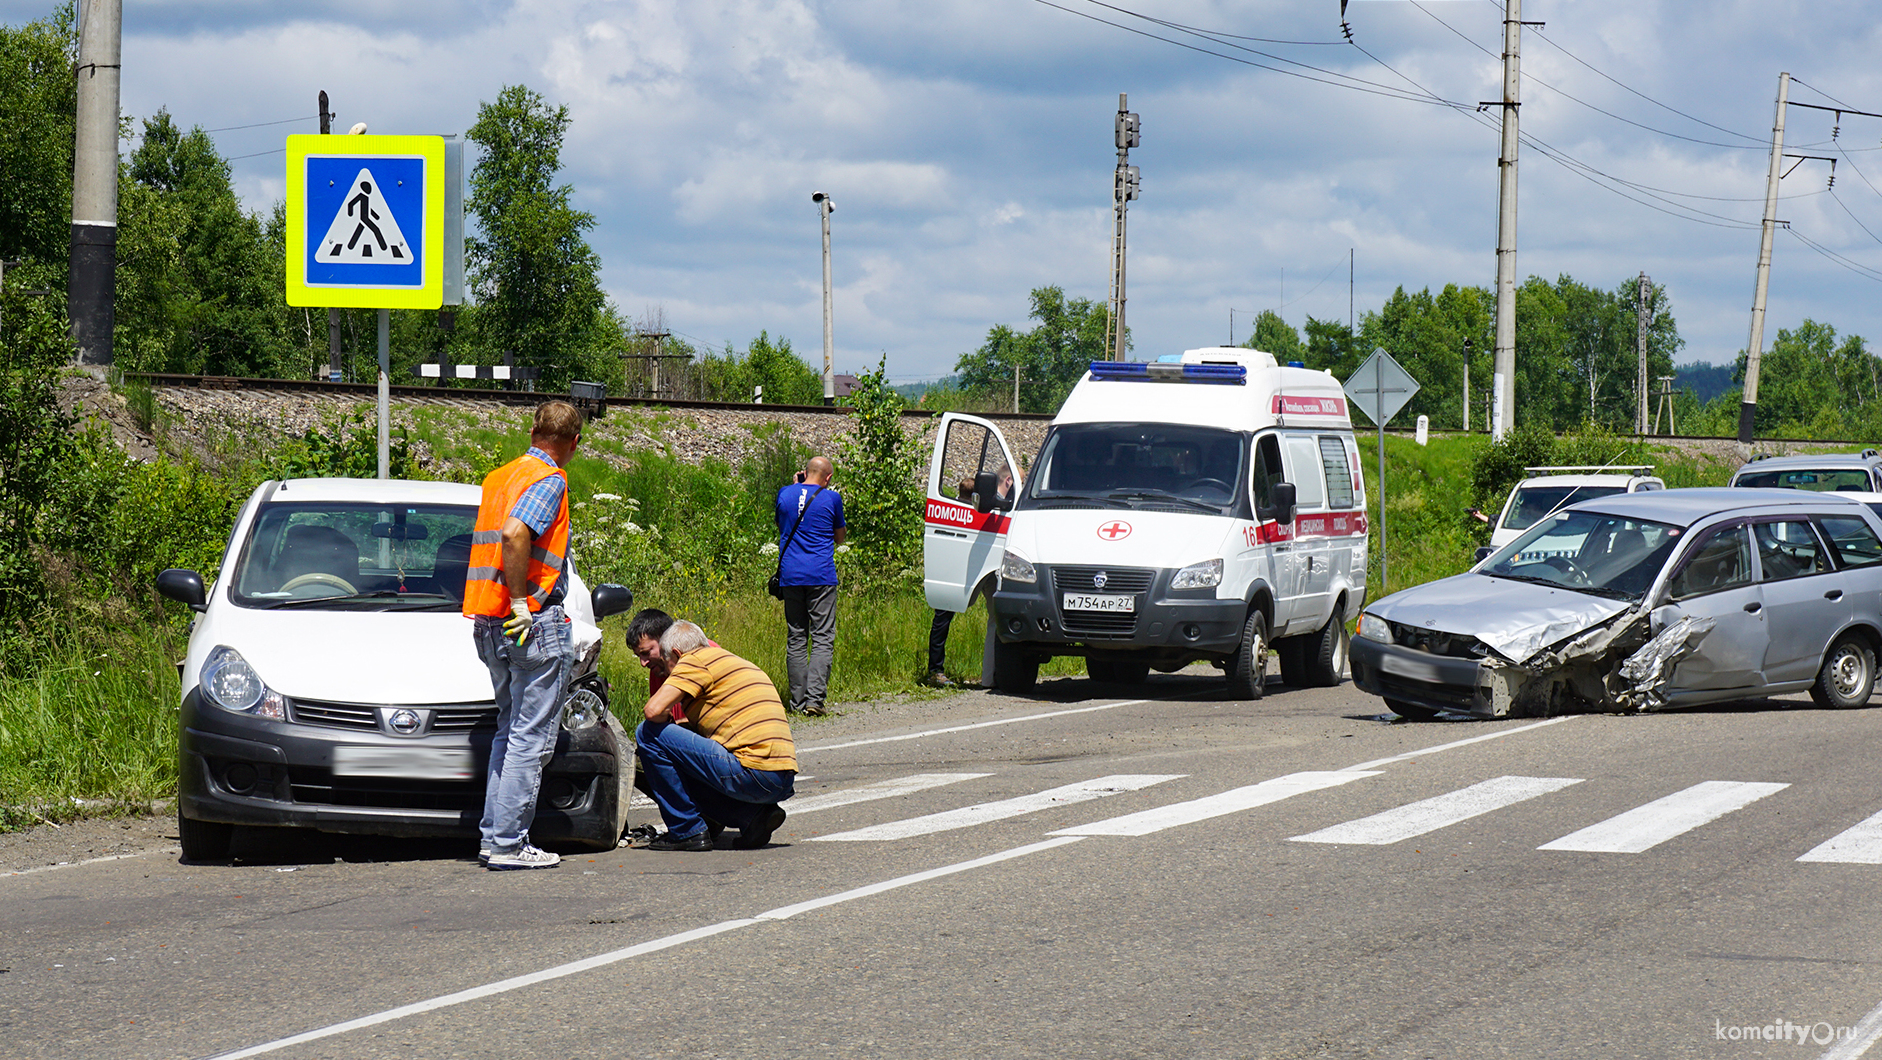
[1642,602]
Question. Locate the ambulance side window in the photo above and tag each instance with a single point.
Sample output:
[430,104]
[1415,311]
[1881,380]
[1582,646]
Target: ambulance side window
[1304,456]
[1339,473]
[1267,473]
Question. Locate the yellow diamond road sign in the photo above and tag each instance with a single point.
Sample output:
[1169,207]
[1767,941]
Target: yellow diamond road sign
[365,221]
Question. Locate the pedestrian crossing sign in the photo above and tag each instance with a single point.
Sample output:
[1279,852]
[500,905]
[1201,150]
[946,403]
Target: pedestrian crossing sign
[365,221]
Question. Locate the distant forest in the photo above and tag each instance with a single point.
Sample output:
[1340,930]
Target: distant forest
[1705,381]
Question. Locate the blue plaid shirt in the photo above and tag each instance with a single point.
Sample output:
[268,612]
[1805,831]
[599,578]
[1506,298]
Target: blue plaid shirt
[537,508]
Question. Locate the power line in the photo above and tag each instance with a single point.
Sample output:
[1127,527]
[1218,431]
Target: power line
[257,154]
[1852,215]
[1853,266]
[259,124]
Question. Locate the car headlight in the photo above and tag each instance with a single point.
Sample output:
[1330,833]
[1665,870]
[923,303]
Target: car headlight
[230,683]
[582,710]
[1204,575]
[1016,568]
[1372,627]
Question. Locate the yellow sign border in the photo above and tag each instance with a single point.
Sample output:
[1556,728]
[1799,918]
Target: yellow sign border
[299,293]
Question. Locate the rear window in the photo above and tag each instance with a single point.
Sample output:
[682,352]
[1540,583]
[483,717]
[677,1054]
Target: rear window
[1849,479]
[1534,502]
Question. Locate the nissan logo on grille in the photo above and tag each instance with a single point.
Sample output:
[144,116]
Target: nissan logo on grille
[1098,580]
[404,722]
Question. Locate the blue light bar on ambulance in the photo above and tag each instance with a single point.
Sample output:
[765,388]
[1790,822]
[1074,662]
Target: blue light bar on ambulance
[1138,372]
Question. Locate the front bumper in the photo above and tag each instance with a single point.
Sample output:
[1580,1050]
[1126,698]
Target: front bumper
[1435,682]
[241,769]
[1165,626]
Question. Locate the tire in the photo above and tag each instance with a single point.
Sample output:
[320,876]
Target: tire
[1410,712]
[1014,670]
[1323,655]
[1248,668]
[1291,653]
[204,840]
[1100,670]
[1848,676]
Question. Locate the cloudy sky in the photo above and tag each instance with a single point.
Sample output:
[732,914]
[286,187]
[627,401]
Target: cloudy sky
[967,147]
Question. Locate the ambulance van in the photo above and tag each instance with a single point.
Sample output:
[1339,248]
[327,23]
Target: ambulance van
[1202,508]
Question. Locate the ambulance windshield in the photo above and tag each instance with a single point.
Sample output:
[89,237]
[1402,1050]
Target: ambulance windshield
[1147,466]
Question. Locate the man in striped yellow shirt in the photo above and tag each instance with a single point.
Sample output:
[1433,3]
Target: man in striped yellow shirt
[730,762]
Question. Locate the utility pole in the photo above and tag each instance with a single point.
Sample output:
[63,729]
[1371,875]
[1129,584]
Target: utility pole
[1754,347]
[333,314]
[1467,384]
[1503,364]
[1015,386]
[1642,318]
[91,290]
[1125,186]
[824,209]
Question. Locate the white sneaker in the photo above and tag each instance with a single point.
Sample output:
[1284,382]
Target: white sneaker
[524,857]
[483,855]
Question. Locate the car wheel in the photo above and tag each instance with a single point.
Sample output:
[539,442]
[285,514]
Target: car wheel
[1291,654]
[1248,668]
[1100,670]
[1015,671]
[1410,711]
[204,840]
[1324,656]
[1847,677]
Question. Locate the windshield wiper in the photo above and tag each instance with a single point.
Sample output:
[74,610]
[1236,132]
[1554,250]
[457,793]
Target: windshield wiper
[1591,590]
[1165,495]
[376,594]
[1077,498]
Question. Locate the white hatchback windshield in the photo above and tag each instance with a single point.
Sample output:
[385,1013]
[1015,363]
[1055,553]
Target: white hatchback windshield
[331,555]
[1603,555]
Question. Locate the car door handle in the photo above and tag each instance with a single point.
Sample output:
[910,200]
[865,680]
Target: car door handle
[1833,594]
[1754,607]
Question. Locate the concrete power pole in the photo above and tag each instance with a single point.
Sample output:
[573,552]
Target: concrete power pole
[825,208]
[94,265]
[1641,320]
[1503,365]
[1754,347]
[1124,187]
[333,315]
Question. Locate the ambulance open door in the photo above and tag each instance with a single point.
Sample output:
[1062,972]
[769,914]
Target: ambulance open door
[964,528]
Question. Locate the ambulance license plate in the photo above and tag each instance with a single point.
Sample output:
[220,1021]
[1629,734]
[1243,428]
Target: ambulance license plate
[412,763]
[1100,602]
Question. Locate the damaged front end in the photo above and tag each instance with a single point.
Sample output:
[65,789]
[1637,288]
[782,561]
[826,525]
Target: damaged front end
[1618,665]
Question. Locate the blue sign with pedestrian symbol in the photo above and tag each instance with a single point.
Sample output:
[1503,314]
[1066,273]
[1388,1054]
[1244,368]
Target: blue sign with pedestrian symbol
[364,220]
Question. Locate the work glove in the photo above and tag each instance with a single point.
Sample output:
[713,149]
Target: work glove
[517,625]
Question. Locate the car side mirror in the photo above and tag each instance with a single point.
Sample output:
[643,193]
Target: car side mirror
[183,586]
[1284,502]
[987,494]
[609,599]
[1483,552]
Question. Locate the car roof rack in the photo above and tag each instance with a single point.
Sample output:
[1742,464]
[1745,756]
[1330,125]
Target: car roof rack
[1612,468]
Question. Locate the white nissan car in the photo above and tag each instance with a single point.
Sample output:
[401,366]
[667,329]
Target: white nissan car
[332,683]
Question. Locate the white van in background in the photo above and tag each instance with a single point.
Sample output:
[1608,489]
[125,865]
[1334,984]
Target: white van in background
[1207,507]
[1553,488]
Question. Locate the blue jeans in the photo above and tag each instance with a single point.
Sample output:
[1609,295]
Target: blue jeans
[530,684]
[690,775]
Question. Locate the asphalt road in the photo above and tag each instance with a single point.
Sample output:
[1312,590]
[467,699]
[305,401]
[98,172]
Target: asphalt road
[1077,875]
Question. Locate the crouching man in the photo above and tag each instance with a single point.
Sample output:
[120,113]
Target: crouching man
[730,762]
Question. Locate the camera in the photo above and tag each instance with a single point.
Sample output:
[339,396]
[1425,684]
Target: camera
[800,476]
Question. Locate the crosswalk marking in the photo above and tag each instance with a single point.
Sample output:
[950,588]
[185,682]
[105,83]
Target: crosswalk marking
[1429,815]
[881,789]
[1145,822]
[1645,827]
[982,813]
[1860,845]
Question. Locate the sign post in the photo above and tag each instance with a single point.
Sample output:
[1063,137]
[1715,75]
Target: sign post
[1391,387]
[366,230]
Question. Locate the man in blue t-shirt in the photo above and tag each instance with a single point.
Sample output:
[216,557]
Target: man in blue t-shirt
[807,572]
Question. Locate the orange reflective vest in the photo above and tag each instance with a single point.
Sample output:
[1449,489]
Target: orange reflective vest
[485,591]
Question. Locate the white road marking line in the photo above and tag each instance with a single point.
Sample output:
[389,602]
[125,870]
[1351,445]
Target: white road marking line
[967,816]
[1429,815]
[787,911]
[1864,1034]
[881,789]
[1645,827]
[1145,822]
[965,728]
[1377,762]
[1859,845]
[602,960]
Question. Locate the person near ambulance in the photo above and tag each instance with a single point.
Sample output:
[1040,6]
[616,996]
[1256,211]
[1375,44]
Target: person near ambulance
[513,592]
[810,527]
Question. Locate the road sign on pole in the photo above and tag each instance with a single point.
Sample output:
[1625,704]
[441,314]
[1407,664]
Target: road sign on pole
[1379,389]
[365,221]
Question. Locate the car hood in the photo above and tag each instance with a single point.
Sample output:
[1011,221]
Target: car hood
[1060,536]
[1515,619]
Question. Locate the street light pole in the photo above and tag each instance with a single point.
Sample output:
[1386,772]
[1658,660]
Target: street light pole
[825,208]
